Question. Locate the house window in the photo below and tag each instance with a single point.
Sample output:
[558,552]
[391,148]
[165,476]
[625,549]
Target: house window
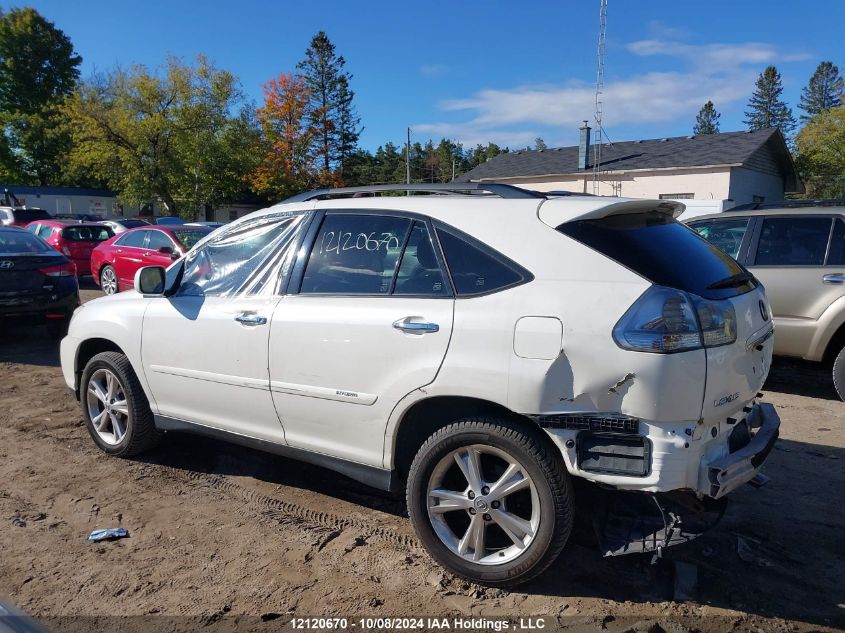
[677,196]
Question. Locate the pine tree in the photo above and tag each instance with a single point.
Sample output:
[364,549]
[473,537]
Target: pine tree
[707,121]
[766,109]
[539,144]
[823,92]
[331,111]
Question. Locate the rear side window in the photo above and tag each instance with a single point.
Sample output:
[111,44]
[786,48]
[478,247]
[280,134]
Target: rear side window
[726,234]
[132,238]
[662,250]
[44,231]
[86,233]
[355,254]
[475,269]
[836,256]
[793,242]
[419,271]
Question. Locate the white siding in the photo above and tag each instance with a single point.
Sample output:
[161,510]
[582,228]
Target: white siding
[65,203]
[747,183]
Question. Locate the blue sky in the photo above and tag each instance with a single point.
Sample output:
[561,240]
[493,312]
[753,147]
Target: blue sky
[480,71]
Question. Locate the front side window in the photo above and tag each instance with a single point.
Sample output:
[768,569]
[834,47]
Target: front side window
[475,270]
[793,242]
[355,254]
[158,240]
[726,234]
[134,239]
[244,260]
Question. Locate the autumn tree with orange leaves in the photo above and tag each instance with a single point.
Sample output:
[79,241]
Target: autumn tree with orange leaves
[289,162]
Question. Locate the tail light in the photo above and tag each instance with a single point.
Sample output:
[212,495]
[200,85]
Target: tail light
[665,321]
[62,270]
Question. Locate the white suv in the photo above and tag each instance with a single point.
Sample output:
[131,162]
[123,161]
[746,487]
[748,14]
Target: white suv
[482,346]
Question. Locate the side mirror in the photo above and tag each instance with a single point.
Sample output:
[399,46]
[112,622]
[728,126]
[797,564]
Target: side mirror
[149,281]
[169,250]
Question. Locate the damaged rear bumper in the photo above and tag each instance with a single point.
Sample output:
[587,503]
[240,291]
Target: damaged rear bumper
[727,473]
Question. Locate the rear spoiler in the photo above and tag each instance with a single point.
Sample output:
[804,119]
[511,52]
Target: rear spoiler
[559,211]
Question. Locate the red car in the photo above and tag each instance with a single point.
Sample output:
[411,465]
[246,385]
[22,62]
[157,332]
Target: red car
[76,240]
[115,261]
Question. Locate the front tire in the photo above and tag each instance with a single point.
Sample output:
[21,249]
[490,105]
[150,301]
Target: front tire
[491,500]
[839,374]
[108,280]
[114,406]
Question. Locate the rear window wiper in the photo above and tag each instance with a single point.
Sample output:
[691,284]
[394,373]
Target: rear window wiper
[734,281]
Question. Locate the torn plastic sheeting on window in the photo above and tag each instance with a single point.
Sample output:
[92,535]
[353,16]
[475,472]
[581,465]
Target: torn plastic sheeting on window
[247,259]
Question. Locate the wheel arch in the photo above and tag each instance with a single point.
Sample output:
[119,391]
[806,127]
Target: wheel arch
[425,417]
[834,345]
[87,350]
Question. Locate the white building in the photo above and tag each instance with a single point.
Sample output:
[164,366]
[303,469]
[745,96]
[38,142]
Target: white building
[733,168]
[63,199]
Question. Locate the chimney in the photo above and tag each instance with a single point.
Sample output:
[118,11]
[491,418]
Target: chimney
[584,147]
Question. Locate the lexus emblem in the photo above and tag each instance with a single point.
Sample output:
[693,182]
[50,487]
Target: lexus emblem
[6,264]
[764,311]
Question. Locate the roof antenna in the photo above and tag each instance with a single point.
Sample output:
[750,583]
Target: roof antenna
[599,88]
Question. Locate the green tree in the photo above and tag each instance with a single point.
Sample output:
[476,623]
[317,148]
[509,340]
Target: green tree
[823,92]
[766,109]
[820,146]
[707,121]
[332,113]
[539,144]
[38,69]
[169,135]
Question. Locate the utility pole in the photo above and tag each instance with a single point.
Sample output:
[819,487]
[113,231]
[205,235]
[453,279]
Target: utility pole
[453,169]
[408,159]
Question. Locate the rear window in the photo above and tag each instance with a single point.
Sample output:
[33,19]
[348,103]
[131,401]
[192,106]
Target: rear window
[187,238]
[17,242]
[87,233]
[132,224]
[663,251]
[31,215]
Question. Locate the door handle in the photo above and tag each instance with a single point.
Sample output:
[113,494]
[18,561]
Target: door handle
[147,254]
[834,278]
[251,319]
[415,327]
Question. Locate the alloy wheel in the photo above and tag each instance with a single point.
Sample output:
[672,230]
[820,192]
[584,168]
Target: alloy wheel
[483,505]
[108,280]
[107,406]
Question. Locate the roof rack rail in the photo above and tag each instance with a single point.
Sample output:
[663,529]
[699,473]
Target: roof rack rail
[495,188]
[788,204]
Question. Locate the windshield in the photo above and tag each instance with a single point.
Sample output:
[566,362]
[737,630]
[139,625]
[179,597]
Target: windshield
[663,251]
[188,237]
[21,242]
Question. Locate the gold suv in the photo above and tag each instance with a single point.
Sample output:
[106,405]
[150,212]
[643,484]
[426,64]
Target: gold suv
[797,250]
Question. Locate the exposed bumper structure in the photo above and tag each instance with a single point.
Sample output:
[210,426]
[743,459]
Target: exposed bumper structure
[731,471]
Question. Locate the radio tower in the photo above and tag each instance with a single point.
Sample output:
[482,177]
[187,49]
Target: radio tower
[599,88]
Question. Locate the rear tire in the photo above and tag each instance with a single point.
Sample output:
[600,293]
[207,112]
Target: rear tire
[507,526]
[839,374]
[108,280]
[115,408]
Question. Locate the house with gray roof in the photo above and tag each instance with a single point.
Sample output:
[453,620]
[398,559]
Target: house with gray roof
[734,167]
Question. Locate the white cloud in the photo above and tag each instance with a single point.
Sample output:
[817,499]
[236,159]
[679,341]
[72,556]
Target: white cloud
[723,73]
[432,70]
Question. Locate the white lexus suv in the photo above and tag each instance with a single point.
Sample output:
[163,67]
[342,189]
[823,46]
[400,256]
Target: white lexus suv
[481,346]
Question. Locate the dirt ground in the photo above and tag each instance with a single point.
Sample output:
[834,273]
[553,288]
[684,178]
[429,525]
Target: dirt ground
[222,537]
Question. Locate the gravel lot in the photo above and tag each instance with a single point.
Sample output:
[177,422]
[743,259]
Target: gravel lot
[226,538]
